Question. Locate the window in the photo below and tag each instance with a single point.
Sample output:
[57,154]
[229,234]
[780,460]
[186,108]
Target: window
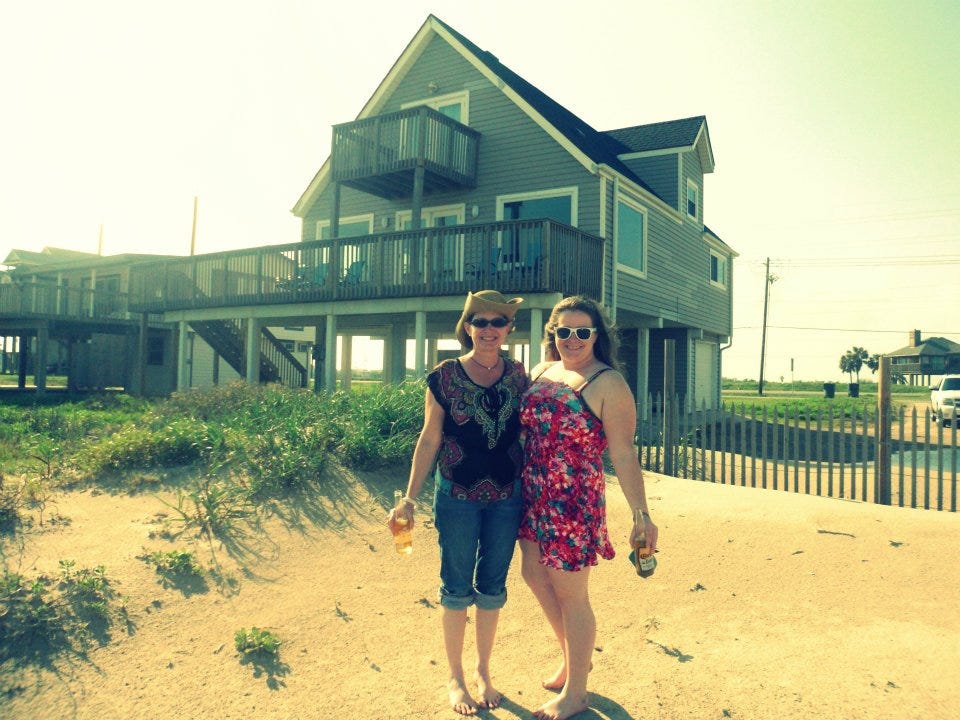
[447,253]
[155,350]
[455,106]
[293,328]
[630,235]
[521,244]
[718,269]
[356,226]
[288,344]
[303,347]
[693,200]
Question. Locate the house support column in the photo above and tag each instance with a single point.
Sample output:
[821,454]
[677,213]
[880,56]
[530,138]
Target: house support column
[141,356]
[23,352]
[182,370]
[396,354]
[431,353]
[536,337]
[420,344]
[252,365]
[643,366]
[319,353]
[40,360]
[330,355]
[346,361]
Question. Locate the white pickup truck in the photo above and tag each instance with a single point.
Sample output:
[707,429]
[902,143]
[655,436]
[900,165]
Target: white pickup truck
[945,399]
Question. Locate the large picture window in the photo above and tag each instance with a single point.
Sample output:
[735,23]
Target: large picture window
[631,236]
[522,245]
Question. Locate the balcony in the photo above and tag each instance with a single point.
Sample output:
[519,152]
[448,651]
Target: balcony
[49,301]
[380,155]
[521,256]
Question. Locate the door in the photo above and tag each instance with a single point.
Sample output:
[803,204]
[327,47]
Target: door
[705,381]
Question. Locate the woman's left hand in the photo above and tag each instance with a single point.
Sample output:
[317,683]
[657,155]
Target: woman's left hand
[643,526]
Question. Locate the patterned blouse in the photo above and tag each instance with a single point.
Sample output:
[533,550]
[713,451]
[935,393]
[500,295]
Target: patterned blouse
[480,457]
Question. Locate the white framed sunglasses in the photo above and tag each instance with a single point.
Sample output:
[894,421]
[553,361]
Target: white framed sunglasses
[582,333]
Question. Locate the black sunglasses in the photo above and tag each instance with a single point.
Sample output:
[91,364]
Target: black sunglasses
[583,333]
[481,323]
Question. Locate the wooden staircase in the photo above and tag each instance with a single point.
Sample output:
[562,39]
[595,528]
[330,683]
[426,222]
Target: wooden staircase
[227,338]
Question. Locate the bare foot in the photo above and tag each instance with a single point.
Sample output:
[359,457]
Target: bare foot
[490,697]
[561,707]
[460,699]
[558,680]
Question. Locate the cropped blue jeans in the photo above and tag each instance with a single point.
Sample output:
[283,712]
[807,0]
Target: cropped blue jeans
[477,540]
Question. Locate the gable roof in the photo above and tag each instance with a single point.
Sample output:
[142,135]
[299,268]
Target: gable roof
[29,258]
[930,346]
[52,259]
[686,134]
[589,146]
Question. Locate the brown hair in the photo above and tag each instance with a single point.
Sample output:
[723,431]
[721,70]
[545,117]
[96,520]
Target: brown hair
[608,341]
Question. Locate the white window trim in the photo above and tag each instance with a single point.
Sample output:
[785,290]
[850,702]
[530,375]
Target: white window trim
[573,192]
[636,205]
[723,259]
[686,202]
[428,212]
[350,219]
[462,97]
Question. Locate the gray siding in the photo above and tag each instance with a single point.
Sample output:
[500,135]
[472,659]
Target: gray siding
[677,284]
[660,173]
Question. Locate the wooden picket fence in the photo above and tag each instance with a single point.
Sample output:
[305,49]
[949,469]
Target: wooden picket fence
[812,452]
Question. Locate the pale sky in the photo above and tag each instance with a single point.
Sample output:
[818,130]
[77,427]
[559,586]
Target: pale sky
[834,128]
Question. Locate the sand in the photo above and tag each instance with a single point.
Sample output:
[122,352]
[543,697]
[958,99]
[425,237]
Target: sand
[765,604]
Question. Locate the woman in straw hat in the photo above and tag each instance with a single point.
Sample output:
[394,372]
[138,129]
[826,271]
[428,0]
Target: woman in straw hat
[577,406]
[472,430]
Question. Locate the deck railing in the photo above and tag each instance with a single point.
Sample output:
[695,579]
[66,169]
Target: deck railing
[511,256]
[52,301]
[392,145]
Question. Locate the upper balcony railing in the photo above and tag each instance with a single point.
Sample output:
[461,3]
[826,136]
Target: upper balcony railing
[519,256]
[44,300]
[379,155]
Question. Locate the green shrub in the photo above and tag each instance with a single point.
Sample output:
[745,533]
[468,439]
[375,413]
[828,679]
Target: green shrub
[175,562]
[179,442]
[256,642]
[39,616]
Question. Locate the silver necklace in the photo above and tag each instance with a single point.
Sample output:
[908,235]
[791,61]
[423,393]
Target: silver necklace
[484,366]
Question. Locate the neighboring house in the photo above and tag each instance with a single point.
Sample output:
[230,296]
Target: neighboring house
[460,175]
[922,359]
[66,312]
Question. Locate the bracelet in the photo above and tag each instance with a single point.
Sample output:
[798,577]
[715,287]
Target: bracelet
[638,513]
[407,500]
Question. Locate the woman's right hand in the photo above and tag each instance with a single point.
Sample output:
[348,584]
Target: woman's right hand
[400,518]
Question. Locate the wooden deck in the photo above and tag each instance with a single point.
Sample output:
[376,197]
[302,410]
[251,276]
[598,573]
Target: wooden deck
[529,256]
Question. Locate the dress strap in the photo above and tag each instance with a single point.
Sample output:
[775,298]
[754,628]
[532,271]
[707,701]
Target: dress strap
[590,379]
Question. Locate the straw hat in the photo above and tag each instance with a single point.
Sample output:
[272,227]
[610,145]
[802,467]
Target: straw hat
[485,301]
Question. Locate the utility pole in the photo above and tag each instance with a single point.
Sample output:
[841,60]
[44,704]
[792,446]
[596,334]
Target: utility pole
[767,280]
[193,233]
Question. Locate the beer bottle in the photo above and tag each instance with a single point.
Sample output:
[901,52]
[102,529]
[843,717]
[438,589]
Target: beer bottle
[642,557]
[402,535]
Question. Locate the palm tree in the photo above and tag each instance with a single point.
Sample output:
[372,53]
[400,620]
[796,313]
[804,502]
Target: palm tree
[853,360]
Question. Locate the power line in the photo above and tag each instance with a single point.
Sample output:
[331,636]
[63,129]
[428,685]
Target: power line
[864,330]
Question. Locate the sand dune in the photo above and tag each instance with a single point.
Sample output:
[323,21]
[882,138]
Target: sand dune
[764,605]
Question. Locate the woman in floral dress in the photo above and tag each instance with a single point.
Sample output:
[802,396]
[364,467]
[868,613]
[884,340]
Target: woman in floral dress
[471,430]
[577,406]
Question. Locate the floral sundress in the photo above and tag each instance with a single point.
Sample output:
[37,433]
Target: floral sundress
[563,486]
